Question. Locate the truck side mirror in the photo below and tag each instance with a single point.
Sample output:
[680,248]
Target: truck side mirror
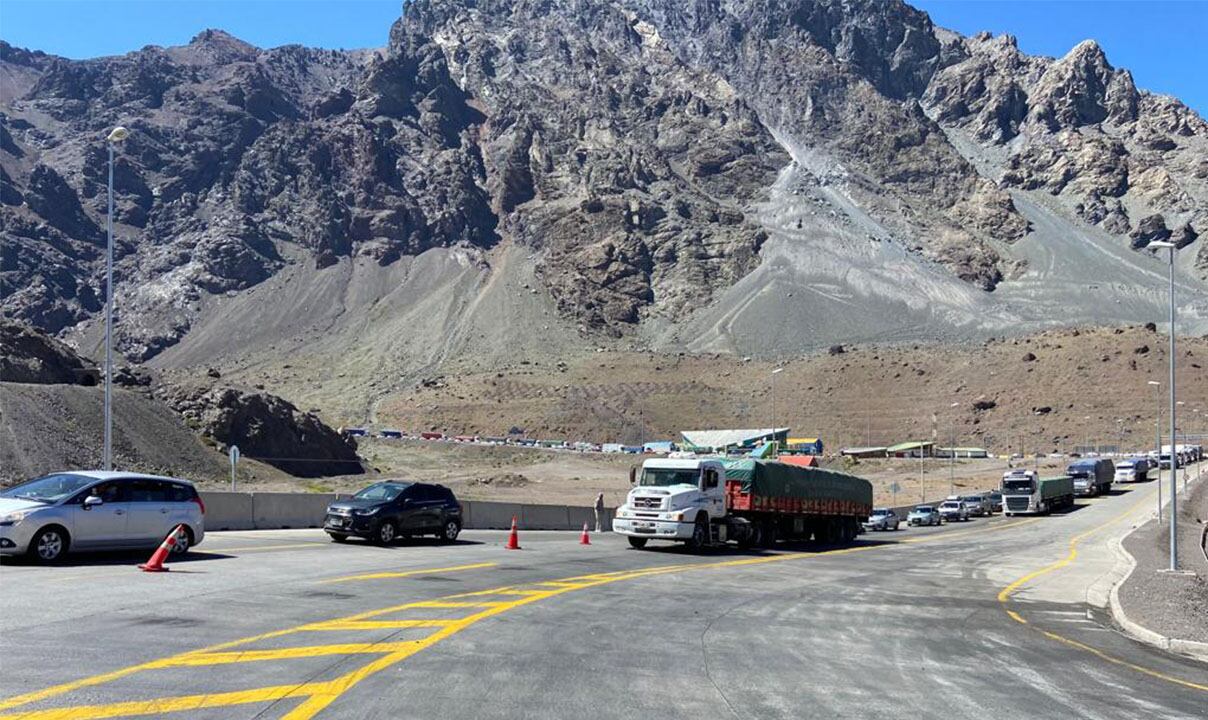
[633,474]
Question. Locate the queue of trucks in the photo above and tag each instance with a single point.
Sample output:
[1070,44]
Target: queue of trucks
[706,501]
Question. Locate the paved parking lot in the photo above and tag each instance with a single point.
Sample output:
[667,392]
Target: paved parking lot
[287,624]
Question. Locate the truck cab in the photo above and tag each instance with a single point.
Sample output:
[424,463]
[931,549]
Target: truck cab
[673,499]
[1020,492]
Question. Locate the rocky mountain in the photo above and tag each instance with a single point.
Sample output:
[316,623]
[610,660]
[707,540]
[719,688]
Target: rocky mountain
[735,175]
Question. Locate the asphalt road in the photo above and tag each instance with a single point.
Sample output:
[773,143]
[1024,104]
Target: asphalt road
[984,619]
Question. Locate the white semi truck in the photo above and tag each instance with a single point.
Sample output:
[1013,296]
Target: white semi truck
[1025,492]
[709,500]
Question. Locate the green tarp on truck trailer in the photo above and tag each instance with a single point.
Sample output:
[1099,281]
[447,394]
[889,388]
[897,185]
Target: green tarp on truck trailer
[1056,487]
[775,479]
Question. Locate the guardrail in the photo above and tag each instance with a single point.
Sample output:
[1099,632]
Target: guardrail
[275,511]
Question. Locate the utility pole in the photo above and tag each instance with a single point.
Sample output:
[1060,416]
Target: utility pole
[1174,456]
[952,454]
[1157,424]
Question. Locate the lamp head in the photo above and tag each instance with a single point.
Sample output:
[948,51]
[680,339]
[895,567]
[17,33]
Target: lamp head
[1160,245]
[118,134]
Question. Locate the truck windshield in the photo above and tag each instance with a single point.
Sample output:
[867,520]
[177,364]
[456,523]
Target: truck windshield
[1024,486]
[666,477]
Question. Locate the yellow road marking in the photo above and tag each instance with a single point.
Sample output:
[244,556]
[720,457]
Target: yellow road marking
[458,604]
[1004,597]
[376,624]
[290,653]
[409,573]
[320,695]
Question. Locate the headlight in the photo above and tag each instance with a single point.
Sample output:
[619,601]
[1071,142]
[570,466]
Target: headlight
[14,517]
[679,517]
[363,513]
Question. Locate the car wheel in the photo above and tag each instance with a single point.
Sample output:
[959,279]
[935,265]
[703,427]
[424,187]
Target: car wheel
[450,531]
[338,537]
[637,543]
[386,533]
[49,545]
[184,540]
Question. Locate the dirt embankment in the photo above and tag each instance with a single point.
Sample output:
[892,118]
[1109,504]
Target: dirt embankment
[1045,393]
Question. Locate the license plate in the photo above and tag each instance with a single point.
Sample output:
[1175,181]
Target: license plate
[336,522]
[644,530]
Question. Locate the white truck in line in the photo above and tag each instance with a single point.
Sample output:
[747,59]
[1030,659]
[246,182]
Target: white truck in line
[1025,492]
[703,501]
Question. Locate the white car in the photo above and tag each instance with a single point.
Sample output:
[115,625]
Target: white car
[953,510]
[94,510]
[882,519]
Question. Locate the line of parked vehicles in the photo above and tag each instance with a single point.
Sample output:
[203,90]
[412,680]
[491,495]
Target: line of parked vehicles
[956,508]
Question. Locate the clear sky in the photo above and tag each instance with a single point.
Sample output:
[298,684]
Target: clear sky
[1163,42]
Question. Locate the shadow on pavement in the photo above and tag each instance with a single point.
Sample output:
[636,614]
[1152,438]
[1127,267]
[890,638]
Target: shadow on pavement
[111,557]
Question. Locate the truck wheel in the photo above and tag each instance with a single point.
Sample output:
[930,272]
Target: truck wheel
[769,535]
[637,543]
[700,535]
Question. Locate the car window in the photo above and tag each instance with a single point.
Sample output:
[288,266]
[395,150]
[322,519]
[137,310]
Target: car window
[179,493]
[148,490]
[422,493]
[110,491]
[445,494]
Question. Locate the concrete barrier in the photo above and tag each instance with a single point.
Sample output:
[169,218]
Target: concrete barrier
[274,511]
[488,515]
[228,511]
[290,510]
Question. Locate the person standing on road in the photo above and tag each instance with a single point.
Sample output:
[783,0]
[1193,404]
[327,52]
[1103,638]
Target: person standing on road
[600,512]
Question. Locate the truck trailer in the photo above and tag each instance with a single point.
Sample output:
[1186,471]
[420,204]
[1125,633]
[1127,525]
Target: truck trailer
[705,501]
[1024,492]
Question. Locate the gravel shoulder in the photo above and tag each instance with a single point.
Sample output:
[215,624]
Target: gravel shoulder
[1175,606]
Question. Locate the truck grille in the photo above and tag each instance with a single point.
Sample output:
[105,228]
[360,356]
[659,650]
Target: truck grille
[1016,504]
[647,502]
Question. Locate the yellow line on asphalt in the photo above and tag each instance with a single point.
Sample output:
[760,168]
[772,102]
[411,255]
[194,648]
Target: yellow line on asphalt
[409,573]
[319,695]
[1117,661]
[1004,597]
[375,625]
[289,653]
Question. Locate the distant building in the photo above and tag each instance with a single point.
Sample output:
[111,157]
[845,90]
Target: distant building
[865,452]
[962,452]
[803,446]
[912,449]
[726,441]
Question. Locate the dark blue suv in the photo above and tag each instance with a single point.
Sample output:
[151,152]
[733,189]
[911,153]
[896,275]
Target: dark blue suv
[386,511]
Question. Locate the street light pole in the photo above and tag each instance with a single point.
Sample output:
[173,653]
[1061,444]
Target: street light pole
[1174,456]
[118,134]
[952,455]
[774,374]
[1157,424]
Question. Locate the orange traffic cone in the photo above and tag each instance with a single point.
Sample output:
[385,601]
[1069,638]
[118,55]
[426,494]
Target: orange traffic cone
[513,538]
[584,539]
[156,563]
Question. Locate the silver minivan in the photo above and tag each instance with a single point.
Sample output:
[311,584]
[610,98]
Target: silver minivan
[93,510]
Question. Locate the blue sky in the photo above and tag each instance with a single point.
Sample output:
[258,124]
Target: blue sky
[1163,42]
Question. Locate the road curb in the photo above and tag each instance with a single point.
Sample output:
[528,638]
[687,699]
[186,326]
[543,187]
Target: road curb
[1124,559]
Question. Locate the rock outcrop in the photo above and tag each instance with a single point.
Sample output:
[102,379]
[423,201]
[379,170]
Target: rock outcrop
[267,428]
[28,355]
